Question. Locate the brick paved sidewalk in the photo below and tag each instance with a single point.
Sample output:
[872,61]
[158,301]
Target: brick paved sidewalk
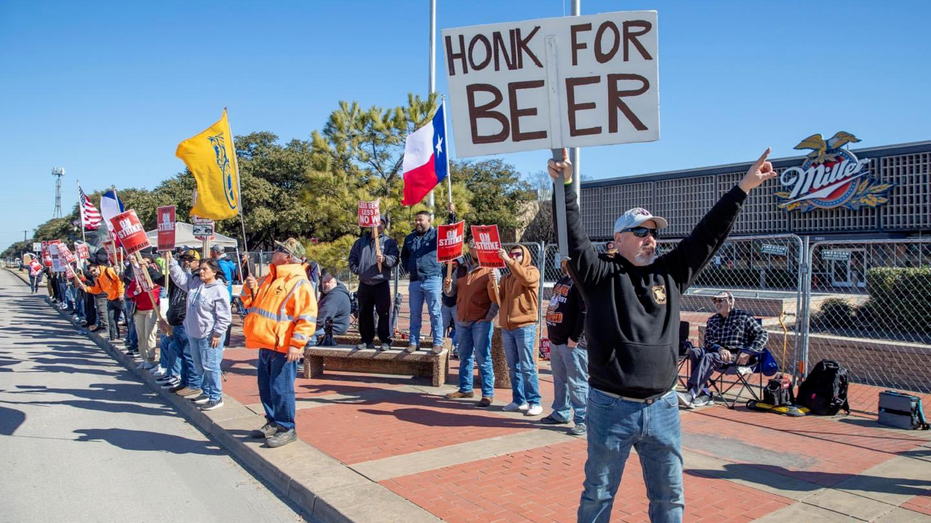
[463,463]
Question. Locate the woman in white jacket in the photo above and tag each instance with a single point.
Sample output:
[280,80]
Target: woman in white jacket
[207,318]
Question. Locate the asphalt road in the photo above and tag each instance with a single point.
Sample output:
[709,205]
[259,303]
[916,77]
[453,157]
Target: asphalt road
[82,440]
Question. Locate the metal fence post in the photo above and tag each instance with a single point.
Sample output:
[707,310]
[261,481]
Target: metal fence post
[541,266]
[806,305]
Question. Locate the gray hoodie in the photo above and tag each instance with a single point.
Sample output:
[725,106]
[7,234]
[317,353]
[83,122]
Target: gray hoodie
[208,305]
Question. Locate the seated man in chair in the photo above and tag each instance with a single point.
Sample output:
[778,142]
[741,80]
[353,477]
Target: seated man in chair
[732,337]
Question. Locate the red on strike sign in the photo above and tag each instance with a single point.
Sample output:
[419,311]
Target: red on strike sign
[368,214]
[81,250]
[46,256]
[129,231]
[487,244]
[66,252]
[449,242]
[166,228]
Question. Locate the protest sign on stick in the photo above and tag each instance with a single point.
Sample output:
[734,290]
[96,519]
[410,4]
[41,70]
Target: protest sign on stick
[449,245]
[166,227]
[554,83]
[369,216]
[487,243]
[81,250]
[130,232]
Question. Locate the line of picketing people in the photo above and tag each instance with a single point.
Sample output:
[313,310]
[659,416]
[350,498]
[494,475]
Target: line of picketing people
[613,321]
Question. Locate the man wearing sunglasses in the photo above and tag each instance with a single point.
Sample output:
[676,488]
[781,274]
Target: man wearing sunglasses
[732,336]
[632,330]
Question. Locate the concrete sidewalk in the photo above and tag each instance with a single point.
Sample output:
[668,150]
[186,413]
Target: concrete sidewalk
[386,448]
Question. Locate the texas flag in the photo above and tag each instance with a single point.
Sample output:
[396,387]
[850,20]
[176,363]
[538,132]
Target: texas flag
[425,158]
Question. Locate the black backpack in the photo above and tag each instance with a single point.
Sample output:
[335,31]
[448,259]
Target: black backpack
[824,391]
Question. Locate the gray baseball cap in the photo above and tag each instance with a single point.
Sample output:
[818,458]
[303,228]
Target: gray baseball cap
[636,217]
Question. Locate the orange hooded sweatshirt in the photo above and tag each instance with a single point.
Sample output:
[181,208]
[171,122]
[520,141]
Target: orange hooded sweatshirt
[518,293]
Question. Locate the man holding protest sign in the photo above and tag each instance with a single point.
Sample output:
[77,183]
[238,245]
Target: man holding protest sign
[419,259]
[632,333]
[372,262]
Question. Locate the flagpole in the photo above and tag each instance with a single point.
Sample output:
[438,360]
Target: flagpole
[81,210]
[432,82]
[119,255]
[449,175]
[242,222]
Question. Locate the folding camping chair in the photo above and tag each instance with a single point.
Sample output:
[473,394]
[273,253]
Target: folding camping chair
[684,363]
[763,364]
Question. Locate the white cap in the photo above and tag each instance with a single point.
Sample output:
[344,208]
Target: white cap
[636,217]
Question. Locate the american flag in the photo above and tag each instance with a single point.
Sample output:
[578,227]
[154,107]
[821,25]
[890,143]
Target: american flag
[90,216]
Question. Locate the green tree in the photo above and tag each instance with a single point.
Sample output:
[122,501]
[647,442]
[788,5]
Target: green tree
[498,195]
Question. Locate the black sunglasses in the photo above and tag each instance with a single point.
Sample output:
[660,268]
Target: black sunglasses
[641,232]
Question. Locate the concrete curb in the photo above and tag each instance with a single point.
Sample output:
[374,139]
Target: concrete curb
[325,489]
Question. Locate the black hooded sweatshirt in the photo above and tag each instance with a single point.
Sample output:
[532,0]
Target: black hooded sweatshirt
[632,325]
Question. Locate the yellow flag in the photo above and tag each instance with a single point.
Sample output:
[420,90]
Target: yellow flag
[211,156]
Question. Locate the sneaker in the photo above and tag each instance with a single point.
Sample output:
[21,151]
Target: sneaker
[743,370]
[177,388]
[459,394]
[149,366]
[514,407]
[129,353]
[411,348]
[212,405]
[268,430]
[200,400]
[165,379]
[702,400]
[550,420]
[141,366]
[534,410]
[685,400]
[95,328]
[578,430]
[169,385]
[281,438]
[158,371]
[485,402]
[436,349]
[384,346]
[365,345]
[187,391]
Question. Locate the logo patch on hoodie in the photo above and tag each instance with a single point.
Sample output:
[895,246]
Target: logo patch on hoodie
[659,294]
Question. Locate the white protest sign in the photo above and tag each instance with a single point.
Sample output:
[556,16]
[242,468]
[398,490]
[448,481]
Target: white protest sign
[552,83]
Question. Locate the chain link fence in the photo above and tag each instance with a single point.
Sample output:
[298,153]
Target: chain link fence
[871,310]
[864,303]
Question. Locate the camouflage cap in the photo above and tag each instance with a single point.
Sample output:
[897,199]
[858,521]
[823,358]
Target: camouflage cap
[294,247]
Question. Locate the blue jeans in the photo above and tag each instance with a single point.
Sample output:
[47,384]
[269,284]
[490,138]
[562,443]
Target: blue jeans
[207,363]
[518,349]
[570,382]
[426,291]
[170,356]
[276,387]
[181,345]
[449,315]
[614,425]
[475,344]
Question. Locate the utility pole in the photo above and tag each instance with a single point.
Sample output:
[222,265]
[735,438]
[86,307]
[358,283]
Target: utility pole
[432,80]
[57,172]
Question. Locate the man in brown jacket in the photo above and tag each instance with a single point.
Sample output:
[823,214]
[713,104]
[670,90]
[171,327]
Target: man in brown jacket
[475,311]
[517,297]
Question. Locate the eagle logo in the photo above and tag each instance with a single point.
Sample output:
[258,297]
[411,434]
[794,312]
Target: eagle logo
[223,162]
[830,177]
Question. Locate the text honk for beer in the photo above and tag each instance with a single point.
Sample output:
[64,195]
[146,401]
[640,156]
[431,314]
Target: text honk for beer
[551,83]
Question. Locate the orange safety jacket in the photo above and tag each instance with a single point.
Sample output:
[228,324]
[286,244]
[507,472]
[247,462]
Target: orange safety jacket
[109,282]
[282,312]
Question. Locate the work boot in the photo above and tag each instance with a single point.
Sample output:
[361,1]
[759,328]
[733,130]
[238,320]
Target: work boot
[268,430]
[459,394]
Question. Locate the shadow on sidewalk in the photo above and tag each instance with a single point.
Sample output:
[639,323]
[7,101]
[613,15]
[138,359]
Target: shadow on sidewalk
[141,440]
[10,420]
[434,418]
[774,478]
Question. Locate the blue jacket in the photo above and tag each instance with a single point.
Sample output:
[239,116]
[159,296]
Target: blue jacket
[418,254]
[229,270]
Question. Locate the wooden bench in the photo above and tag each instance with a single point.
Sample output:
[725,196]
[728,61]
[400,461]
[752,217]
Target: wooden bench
[392,361]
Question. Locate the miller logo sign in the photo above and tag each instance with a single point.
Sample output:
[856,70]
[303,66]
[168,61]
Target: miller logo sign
[830,177]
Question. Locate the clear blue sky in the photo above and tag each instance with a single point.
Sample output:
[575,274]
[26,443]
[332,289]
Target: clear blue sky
[108,89]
